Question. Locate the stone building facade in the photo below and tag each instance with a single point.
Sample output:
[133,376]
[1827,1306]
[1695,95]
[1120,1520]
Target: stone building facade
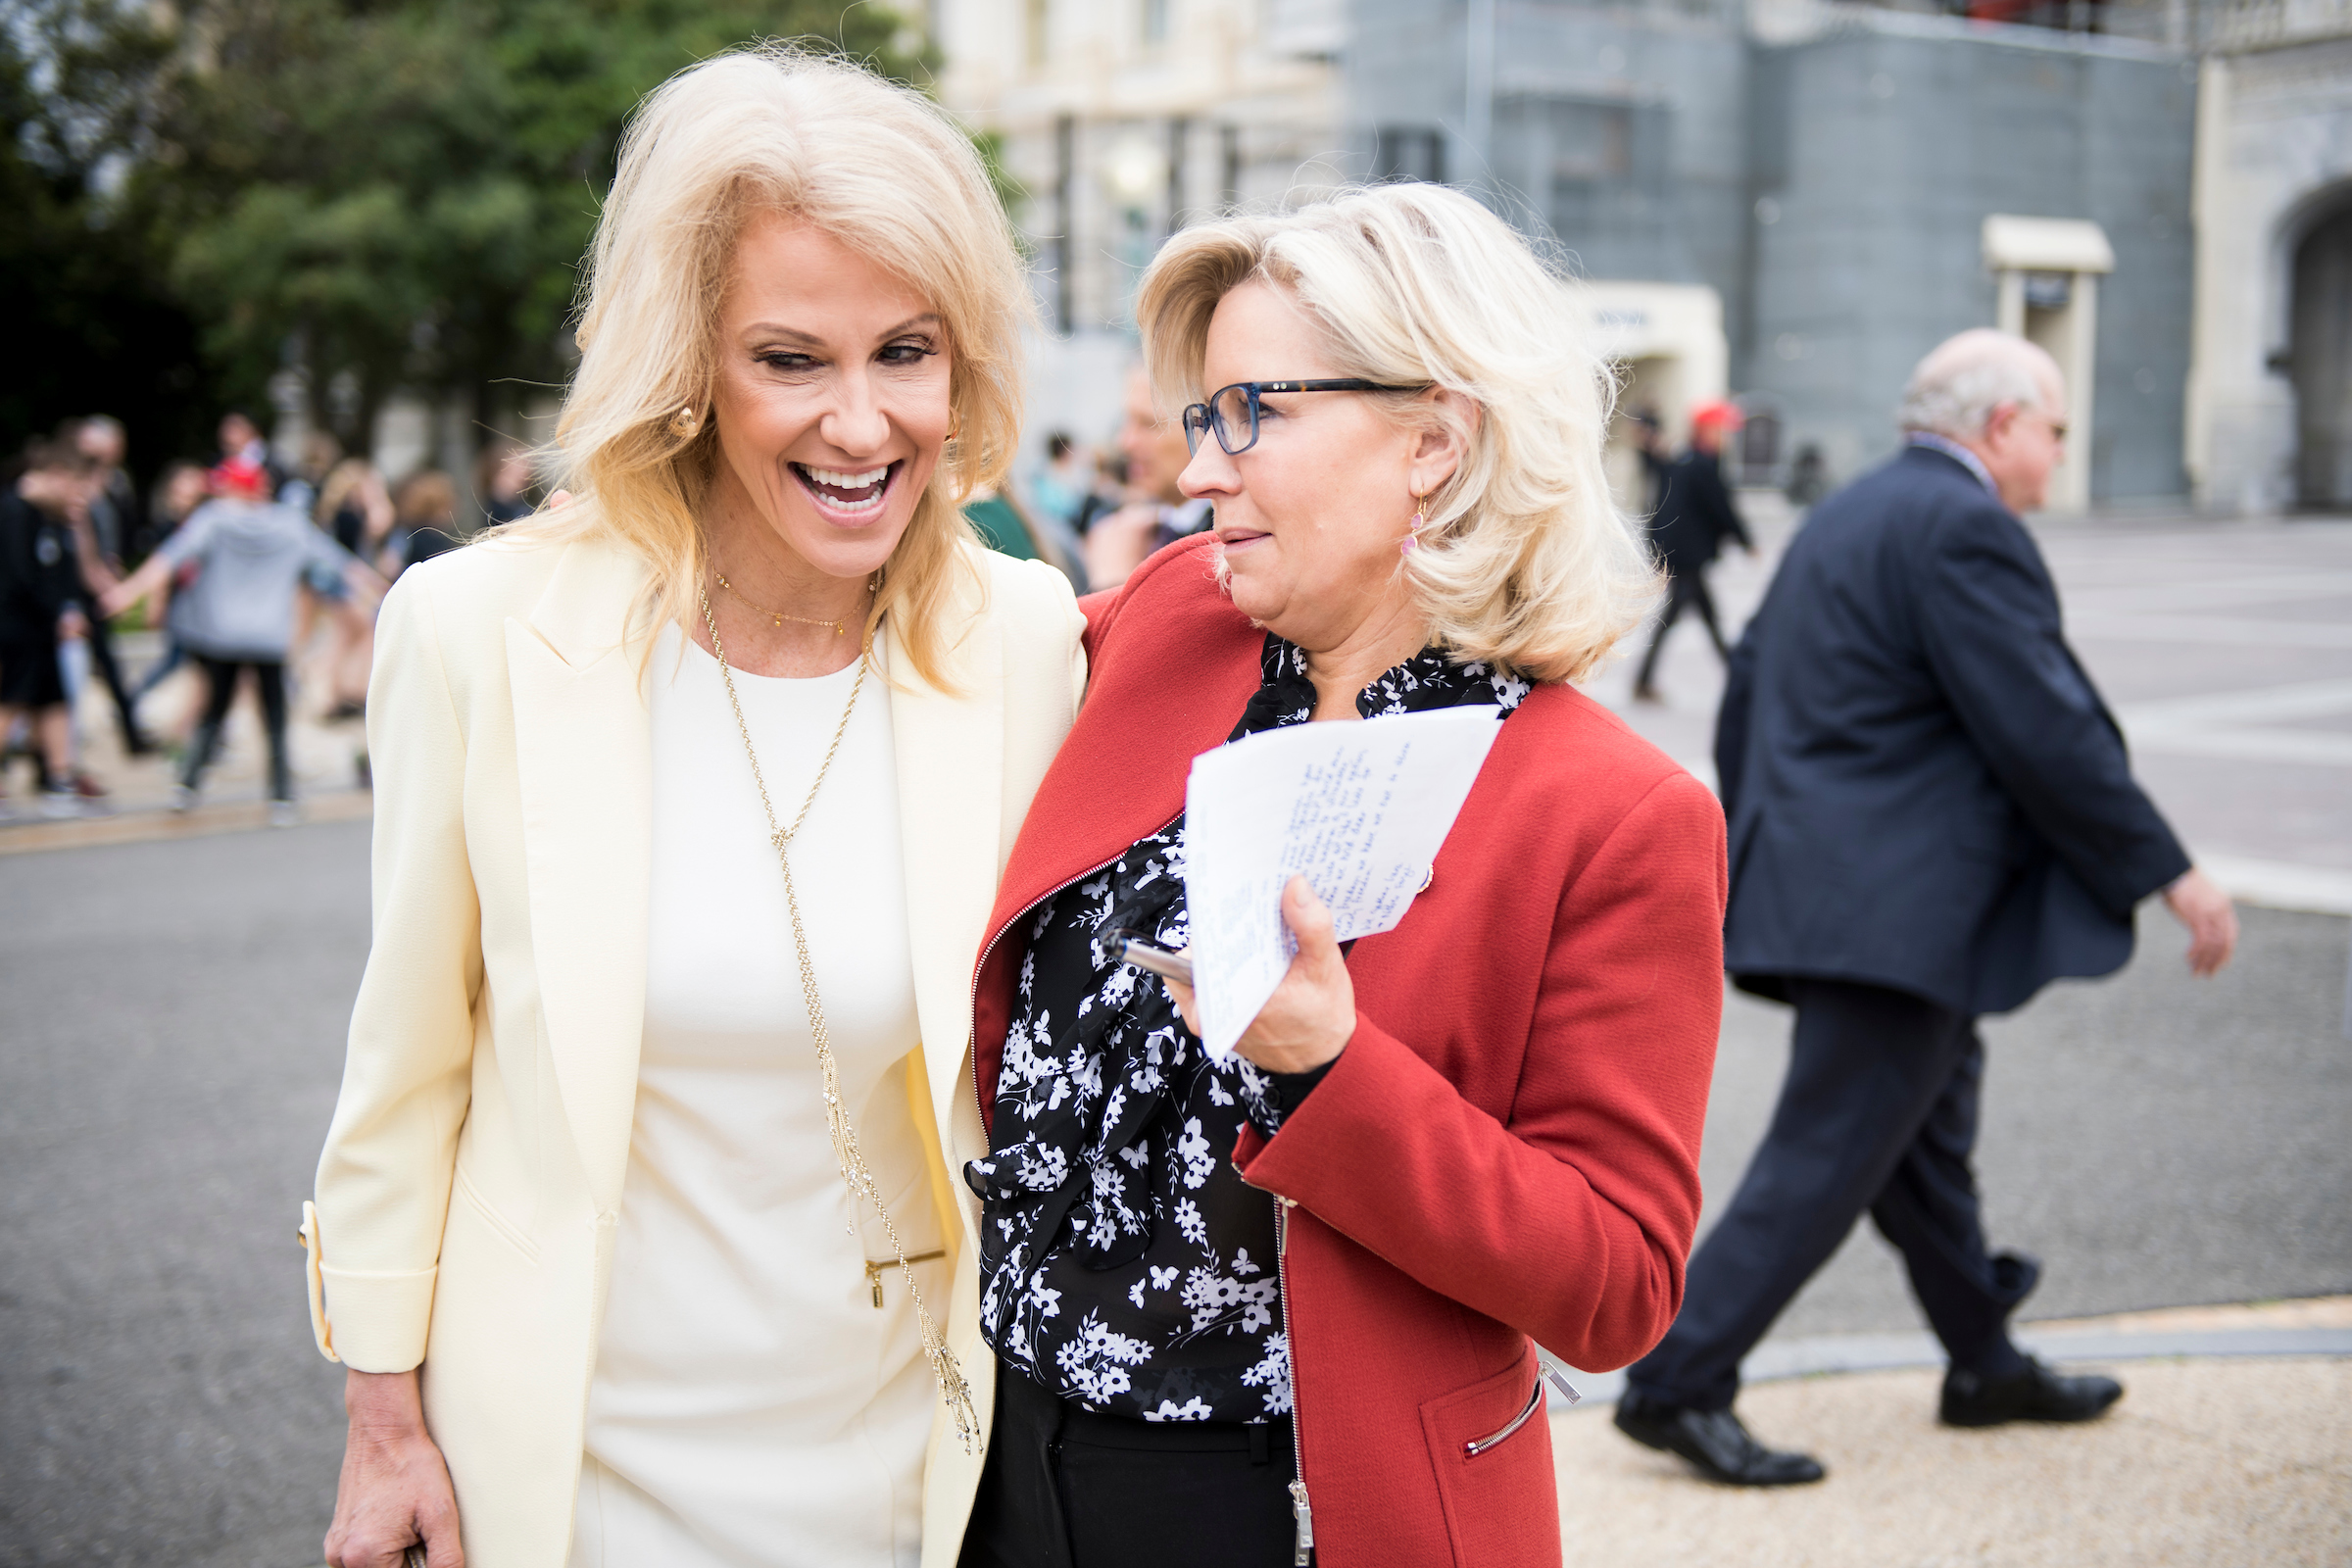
[1786,200]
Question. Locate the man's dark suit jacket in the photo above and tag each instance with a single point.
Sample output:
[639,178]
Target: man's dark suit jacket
[1695,513]
[1924,791]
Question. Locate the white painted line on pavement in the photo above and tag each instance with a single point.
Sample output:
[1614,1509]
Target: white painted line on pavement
[2317,748]
[2192,597]
[2227,631]
[1778,1359]
[2279,885]
[2305,699]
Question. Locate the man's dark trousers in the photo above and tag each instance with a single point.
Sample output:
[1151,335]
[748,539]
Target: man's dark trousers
[1685,588]
[1879,1113]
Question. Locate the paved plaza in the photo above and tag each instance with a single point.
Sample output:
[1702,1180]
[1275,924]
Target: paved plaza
[176,994]
[2224,648]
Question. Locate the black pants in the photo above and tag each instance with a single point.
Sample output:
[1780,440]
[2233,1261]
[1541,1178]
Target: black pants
[1065,1489]
[1879,1113]
[1686,589]
[110,671]
[269,676]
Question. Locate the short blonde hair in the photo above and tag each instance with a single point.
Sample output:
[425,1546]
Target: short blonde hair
[772,128]
[1526,562]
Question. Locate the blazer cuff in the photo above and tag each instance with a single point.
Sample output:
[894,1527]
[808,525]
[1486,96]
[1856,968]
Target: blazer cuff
[377,1322]
[1335,1132]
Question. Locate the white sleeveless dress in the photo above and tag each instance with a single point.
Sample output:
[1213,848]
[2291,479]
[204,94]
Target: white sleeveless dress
[750,1407]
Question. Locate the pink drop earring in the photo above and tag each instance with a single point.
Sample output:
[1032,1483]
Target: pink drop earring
[1412,541]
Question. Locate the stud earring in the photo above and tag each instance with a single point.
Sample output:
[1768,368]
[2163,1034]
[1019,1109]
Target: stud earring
[686,421]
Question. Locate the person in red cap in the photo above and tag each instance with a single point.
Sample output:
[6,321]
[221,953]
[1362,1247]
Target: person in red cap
[239,614]
[1695,516]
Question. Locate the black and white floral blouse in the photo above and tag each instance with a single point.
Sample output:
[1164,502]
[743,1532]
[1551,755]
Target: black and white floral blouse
[1124,1264]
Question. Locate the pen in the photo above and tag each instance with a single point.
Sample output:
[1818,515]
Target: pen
[1134,948]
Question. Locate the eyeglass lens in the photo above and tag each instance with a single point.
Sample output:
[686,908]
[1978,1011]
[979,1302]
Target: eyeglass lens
[1233,416]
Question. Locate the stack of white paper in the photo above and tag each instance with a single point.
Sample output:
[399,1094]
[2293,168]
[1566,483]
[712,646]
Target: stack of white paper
[1358,810]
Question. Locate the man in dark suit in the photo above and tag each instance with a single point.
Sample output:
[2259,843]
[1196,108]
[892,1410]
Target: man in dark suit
[1695,516]
[1932,816]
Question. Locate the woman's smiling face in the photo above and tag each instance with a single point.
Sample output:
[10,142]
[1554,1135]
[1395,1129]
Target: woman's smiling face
[831,398]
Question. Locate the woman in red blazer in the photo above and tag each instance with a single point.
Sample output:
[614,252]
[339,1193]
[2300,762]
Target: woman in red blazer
[1280,1310]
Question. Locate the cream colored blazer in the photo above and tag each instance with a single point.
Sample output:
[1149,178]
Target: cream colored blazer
[470,1191]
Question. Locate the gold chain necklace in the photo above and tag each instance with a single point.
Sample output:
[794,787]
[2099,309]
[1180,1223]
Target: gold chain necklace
[776,615]
[854,1170]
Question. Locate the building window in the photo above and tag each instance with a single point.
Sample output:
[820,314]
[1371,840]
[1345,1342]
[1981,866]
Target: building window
[1409,153]
[1156,21]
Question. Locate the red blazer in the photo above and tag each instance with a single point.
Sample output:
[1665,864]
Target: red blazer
[1508,1146]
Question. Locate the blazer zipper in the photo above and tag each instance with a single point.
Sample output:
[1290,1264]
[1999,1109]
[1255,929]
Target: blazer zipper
[1477,1445]
[1302,1539]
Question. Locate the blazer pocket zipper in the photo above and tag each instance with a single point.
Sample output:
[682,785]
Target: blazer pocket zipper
[1477,1445]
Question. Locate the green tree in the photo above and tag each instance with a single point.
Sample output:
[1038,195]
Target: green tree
[401,192]
[385,195]
[93,325]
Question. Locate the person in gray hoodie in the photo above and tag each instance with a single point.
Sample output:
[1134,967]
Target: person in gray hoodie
[239,614]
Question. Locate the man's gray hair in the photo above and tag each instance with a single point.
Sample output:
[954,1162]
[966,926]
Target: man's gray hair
[1965,378]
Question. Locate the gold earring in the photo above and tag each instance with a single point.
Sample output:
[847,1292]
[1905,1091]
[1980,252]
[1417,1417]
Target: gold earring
[1412,540]
[686,421]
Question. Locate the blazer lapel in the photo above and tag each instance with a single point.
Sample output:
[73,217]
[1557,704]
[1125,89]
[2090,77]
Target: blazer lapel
[949,749]
[583,746]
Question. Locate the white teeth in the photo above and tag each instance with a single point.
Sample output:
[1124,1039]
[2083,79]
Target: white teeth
[847,482]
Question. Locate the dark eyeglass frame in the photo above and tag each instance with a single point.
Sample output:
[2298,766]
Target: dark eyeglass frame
[1199,416]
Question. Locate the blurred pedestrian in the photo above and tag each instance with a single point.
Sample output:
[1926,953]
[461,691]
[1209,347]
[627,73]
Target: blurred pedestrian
[502,482]
[1106,492]
[241,441]
[1695,516]
[183,487]
[1809,476]
[424,522]
[41,605]
[1932,816]
[1158,512]
[354,508]
[1008,527]
[1656,457]
[320,453]
[1061,484]
[115,521]
[116,512]
[253,554]
[356,513]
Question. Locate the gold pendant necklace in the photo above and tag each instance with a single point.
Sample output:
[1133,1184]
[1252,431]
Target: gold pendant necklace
[778,617]
[854,1170]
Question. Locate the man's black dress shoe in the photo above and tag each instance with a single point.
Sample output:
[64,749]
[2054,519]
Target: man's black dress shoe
[2036,1393]
[1715,1442]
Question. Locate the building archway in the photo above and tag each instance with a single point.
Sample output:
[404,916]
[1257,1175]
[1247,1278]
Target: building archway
[2319,359]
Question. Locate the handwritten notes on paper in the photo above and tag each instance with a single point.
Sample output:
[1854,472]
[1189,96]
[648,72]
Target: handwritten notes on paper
[1358,810]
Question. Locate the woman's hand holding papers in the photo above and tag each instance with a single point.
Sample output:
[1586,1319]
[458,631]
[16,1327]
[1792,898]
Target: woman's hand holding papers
[1311,1016]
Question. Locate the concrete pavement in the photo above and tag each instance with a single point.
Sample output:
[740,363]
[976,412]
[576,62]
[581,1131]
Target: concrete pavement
[328,757]
[2204,1464]
[174,1014]
[2225,649]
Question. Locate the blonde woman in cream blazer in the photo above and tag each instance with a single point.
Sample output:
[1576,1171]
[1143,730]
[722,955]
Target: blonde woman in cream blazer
[599,1276]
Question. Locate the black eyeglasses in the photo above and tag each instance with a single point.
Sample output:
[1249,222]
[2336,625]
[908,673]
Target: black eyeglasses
[1235,408]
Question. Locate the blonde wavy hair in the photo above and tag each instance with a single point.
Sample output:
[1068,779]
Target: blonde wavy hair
[1526,562]
[775,129]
